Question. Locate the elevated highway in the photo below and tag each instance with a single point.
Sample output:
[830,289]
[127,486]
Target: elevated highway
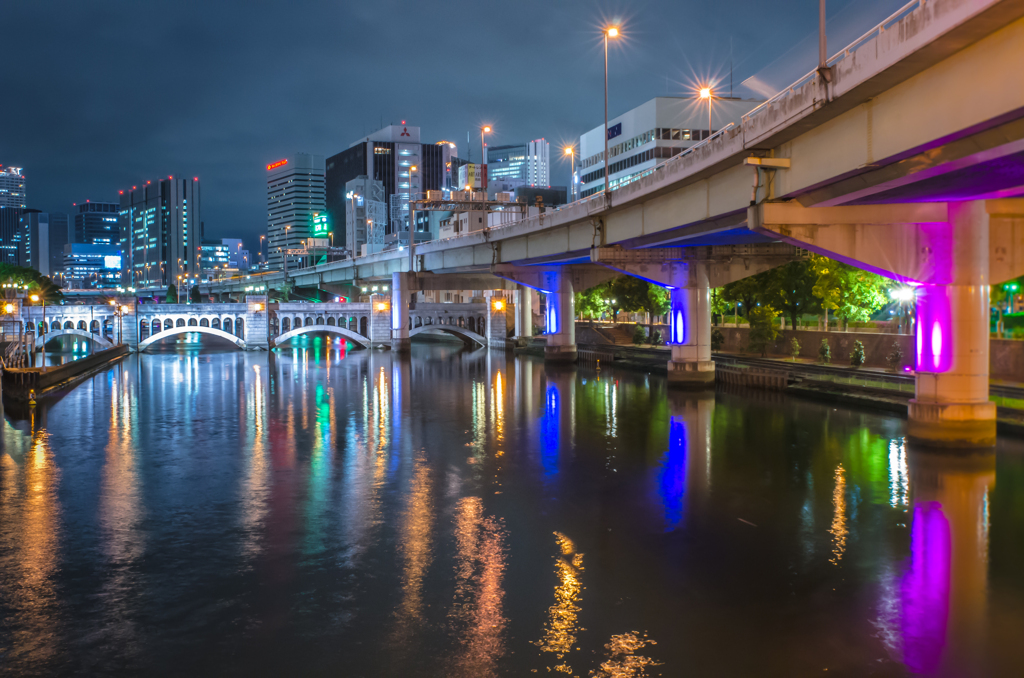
[905,156]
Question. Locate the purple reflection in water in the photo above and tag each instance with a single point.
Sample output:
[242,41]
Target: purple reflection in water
[672,477]
[926,589]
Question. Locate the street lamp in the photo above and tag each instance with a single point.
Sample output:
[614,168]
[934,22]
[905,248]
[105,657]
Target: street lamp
[571,152]
[610,32]
[706,93]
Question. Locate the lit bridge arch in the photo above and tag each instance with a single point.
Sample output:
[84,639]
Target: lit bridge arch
[99,340]
[354,337]
[191,329]
[466,335]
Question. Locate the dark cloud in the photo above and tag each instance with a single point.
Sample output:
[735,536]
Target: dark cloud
[104,94]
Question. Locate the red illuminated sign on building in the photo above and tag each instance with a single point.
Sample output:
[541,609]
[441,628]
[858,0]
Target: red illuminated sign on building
[279,163]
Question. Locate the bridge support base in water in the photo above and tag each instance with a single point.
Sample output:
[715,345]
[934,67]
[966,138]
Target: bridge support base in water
[562,354]
[691,374]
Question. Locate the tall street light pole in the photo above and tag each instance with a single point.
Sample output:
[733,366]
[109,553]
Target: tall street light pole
[610,32]
[571,152]
[486,129]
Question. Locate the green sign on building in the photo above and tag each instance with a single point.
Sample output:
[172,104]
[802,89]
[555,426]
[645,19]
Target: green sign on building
[320,228]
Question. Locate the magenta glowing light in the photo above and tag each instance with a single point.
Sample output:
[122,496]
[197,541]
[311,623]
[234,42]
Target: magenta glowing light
[934,329]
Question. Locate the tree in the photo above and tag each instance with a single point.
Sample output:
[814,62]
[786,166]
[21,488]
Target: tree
[639,335]
[895,357]
[658,300]
[591,303]
[656,338]
[719,306]
[762,328]
[825,352]
[746,291]
[717,339]
[857,356]
[172,294]
[790,289]
[1000,297]
[794,348]
[629,294]
[194,296]
[852,293]
[37,282]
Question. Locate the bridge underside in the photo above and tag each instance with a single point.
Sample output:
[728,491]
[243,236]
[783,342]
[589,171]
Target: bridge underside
[354,337]
[178,331]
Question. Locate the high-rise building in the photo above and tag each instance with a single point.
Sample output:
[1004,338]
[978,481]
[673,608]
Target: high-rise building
[388,156]
[43,236]
[295,192]
[523,164]
[644,137]
[96,223]
[214,261]
[161,232]
[12,204]
[238,256]
[91,266]
[366,215]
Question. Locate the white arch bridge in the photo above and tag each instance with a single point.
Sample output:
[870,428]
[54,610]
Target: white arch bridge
[251,325]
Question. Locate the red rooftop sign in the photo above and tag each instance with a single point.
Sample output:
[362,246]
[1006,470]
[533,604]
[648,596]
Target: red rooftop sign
[279,163]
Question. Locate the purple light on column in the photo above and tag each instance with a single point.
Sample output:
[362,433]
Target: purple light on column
[552,327]
[934,329]
[925,614]
[677,317]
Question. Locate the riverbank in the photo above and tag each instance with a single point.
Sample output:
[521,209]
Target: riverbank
[28,384]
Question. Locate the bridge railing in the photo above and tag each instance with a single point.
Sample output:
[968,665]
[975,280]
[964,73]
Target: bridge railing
[842,54]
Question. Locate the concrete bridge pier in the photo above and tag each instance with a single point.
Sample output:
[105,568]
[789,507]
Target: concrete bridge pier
[524,313]
[691,365]
[561,324]
[952,252]
[400,295]
[497,324]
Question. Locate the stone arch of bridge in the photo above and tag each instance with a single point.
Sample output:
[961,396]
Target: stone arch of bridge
[326,329]
[173,331]
[100,341]
[466,335]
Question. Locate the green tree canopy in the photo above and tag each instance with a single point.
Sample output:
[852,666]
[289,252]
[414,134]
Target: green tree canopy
[194,296]
[852,293]
[36,282]
[746,291]
[172,294]
[790,289]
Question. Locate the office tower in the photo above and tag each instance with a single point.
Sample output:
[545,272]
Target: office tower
[295,192]
[161,232]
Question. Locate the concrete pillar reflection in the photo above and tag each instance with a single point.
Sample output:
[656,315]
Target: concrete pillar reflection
[684,479]
[945,591]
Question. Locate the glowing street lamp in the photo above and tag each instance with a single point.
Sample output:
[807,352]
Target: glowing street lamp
[571,152]
[706,93]
[609,32]
[486,129]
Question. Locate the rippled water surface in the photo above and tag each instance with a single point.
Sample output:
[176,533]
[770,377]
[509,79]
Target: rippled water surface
[317,511]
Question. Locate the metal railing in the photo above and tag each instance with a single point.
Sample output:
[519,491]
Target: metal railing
[874,32]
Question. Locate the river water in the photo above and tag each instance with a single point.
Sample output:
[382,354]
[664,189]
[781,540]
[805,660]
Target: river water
[324,511]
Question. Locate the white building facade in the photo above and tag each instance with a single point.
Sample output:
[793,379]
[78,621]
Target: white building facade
[295,191]
[644,137]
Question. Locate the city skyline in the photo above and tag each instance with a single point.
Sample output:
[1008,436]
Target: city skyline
[105,144]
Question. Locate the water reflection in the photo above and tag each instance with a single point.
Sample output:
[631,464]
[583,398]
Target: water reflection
[30,539]
[945,590]
[562,626]
[313,511]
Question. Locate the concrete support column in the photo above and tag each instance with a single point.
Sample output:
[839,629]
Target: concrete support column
[524,312]
[379,322]
[497,325]
[400,312]
[257,327]
[690,329]
[561,323]
[951,407]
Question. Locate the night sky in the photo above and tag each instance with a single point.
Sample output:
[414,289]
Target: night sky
[100,95]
